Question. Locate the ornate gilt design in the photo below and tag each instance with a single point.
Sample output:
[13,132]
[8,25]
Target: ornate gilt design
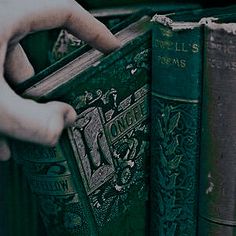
[110,145]
[174,148]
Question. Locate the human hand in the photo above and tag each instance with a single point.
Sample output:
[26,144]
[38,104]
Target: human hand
[25,119]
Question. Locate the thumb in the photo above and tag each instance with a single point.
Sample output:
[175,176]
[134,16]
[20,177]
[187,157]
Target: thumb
[60,115]
[28,120]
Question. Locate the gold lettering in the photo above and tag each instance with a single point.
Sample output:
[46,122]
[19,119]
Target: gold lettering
[226,49]
[222,64]
[182,63]
[195,48]
[160,44]
[176,46]
[169,61]
[54,186]
[127,119]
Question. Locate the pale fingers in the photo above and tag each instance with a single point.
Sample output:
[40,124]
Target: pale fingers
[31,121]
[87,28]
[17,66]
[45,14]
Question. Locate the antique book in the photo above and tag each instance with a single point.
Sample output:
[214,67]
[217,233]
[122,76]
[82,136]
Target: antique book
[94,182]
[177,47]
[217,214]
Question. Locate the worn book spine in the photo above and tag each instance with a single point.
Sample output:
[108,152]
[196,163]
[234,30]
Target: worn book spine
[217,215]
[175,102]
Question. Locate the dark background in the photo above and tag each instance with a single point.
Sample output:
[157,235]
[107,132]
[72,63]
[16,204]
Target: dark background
[18,209]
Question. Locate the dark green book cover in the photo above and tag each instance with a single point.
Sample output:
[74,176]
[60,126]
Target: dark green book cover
[95,181]
[175,120]
[217,166]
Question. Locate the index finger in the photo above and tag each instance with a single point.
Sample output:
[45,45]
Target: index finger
[33,15]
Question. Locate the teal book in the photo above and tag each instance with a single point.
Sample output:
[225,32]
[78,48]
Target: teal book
[218,134]
[94,182]
[177,62]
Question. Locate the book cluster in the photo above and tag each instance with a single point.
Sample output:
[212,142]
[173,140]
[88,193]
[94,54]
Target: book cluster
[152,151]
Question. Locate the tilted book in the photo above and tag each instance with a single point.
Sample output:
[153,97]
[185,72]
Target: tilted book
[175,120]
[95,181]
[218,133]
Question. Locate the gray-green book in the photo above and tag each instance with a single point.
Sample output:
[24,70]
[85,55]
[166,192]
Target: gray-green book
[217,214]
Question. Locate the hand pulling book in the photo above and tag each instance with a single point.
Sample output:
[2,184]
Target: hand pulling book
[46,47]
[218,136]
[66,43]
[175,120]
[95,181]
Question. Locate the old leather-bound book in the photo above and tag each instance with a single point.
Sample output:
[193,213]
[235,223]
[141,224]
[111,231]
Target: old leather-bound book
[94,182]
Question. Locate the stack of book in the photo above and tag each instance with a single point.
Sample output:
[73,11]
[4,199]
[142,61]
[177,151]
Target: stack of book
[152,149]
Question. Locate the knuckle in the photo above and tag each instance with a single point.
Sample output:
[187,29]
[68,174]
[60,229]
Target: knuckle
[53,137]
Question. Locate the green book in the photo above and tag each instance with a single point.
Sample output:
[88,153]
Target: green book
[217,214]
[177,53]
[94,182]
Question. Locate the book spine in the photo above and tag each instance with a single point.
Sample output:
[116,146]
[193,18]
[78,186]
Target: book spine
[50,179]
[218,135]
[175,116]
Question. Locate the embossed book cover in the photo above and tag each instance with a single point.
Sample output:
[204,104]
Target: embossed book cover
[95,181]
